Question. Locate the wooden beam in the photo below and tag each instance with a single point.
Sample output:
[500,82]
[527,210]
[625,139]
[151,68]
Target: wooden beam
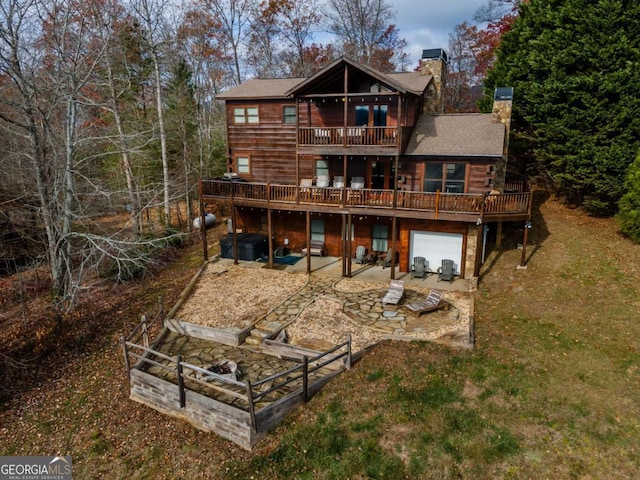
[235,235]
[308,242]
[270,240]
[394,251]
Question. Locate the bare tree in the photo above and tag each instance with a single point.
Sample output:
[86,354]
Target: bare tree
[232,19]
[156,29]
[364,28]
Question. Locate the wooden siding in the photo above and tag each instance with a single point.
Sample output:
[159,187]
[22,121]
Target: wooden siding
[270,144]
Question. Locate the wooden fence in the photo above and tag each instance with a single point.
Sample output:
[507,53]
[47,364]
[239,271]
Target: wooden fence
[187,391]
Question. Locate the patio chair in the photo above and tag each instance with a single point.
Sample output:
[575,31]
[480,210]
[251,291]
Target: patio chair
[338,181]
[446,271]
[357,182]
[394,294]
[434,301]
[322,181]
[386,261]
[419,267]
[361,253]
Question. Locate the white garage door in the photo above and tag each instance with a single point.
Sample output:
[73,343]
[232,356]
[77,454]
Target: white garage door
[435,246]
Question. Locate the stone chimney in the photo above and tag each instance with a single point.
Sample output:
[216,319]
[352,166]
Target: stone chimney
[434,63]
[502,105]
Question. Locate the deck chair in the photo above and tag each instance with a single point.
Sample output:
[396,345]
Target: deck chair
[394,294]
[386,261]
[322,181]
[361,253]
[338,181]
[446,271]
[434,301]
[419,267]
[357,182]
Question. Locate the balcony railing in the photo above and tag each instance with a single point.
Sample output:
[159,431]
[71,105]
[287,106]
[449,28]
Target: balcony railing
[368,136]
[449,203]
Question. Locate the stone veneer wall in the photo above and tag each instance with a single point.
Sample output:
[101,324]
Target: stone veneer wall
[502,114]
[434,96]
[472,249]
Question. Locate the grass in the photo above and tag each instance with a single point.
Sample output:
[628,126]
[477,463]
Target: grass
[550,391]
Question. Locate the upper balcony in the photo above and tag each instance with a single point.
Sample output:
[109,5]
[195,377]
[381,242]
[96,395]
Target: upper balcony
[462,207]
[355,136]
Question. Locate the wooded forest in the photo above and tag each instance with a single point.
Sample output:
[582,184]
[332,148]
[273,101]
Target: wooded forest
[109,113]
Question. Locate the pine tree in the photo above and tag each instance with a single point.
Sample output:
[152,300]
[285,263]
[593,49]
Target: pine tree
[629,215]
[574,66]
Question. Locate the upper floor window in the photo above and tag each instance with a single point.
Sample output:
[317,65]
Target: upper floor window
[245,115]
[446,177]
[243,165]
[289,114]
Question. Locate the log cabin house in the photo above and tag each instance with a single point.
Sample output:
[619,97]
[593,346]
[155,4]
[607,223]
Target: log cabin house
[354,157]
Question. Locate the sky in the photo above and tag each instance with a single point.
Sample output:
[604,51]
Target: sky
[426,24]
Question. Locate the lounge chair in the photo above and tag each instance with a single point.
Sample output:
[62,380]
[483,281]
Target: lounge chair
[419,267]
[446,271]
[317,248]
[434,301]
[361,253]
[394,294]
[386,261]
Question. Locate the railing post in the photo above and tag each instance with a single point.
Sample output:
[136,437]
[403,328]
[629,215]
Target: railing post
[145,331]
[349,352]
[252,407]
[437,203]
[126,358]
[181,391]
[305,378]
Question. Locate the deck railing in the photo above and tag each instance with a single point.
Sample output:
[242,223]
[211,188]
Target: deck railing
[368,136]
[466,203]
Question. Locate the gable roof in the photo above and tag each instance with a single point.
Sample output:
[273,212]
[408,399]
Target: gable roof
[278,88]
[261,88]
[466,134]
[403,82]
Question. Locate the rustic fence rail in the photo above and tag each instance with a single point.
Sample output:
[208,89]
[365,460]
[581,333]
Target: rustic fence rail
[250,393]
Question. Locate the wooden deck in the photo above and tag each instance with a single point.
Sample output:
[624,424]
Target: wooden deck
[462,207]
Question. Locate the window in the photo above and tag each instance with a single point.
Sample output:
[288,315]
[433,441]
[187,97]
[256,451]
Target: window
[380,115]
[446,177]
[322,168]
[289,114]
[362,115]
[380,241]
[243,165]
[245,115]
[317,230]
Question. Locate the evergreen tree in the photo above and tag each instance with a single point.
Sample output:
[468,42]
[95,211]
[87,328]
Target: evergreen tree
[629,215]
[574,66]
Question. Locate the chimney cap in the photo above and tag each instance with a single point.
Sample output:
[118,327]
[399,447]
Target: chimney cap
[503,93]
[434,54]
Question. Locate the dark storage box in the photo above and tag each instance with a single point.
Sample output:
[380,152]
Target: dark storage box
[250,246]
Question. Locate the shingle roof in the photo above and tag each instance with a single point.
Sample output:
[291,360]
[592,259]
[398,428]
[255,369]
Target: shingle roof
[262,88]
[472,134]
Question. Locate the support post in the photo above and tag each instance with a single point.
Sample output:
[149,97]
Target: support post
[349,352]
[181,391]
[305,378]
[203,233]
[394,223]
[349,226]
[525,236]
[252,407]
[235,235]
[345,235]
[270,233]
[308,216]
[127,364]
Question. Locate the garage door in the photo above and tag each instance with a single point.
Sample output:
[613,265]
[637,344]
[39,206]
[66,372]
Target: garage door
[435,246]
